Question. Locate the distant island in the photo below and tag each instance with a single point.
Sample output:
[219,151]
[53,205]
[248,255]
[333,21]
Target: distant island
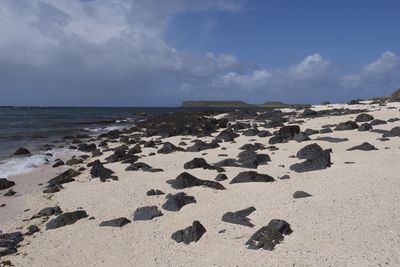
[240,104]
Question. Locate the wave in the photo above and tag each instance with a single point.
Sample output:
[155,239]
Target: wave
[104,129]
[19,165]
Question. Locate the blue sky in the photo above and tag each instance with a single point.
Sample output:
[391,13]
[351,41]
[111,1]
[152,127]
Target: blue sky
[159,53]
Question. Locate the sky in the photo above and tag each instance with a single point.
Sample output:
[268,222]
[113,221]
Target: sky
[162,52]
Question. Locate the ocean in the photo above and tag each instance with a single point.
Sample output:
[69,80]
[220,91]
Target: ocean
[33,127]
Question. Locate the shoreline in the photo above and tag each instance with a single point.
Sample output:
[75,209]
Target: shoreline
[350,219]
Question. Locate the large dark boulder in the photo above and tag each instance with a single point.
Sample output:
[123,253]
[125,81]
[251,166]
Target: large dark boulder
[177,201]
[269,236]
[251,176]
[22,152]
[239,217]
[5,184]
[66,219]
[185,180]
[316,159]
[65,177]
[190,234]
[146,213]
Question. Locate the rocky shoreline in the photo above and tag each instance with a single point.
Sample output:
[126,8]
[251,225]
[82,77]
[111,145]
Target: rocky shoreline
[304,179]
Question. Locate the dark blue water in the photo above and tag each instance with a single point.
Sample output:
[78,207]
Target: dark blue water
[32,127]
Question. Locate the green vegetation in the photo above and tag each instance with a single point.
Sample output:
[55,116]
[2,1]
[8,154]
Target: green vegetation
[396,94]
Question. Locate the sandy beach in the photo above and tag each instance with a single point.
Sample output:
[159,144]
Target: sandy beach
[350,219]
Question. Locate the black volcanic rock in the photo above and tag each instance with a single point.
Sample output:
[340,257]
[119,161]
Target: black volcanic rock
[309,112]
[269,236]
[65,177]
[301,137]
[200,146]
[185,180]
[364,147]
[190,234]
[58,163]
[221,177]
[22,152]
[154,192]
[276,139]
[32,229]
[395,131]
[250,132]
[289,132]
[142,166]
[365,127]
[10,193]
[146,213]
[122,155]
[346,126]
[99,171]
[46,212]
[177,201]
[74,161]
[5,184]
[316,159]
[363,117]
[311,132]
[301,194]
[197,163]
[377,122]
[264,133]
[66,219]
[87,147]
[253,147]
[251,176]
[169,148]
[250,159]
[9,242]
[118,222]
[325,130]
[331,139]
[227,135]
[239,217]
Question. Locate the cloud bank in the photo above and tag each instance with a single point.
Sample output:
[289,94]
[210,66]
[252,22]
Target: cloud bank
[114,52]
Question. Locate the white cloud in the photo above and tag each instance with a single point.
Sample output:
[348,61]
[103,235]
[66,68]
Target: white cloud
[118,48]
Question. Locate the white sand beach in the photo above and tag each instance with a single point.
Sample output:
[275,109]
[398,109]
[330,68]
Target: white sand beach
[351,219]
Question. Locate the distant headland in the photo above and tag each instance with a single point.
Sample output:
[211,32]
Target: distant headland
[240,104]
